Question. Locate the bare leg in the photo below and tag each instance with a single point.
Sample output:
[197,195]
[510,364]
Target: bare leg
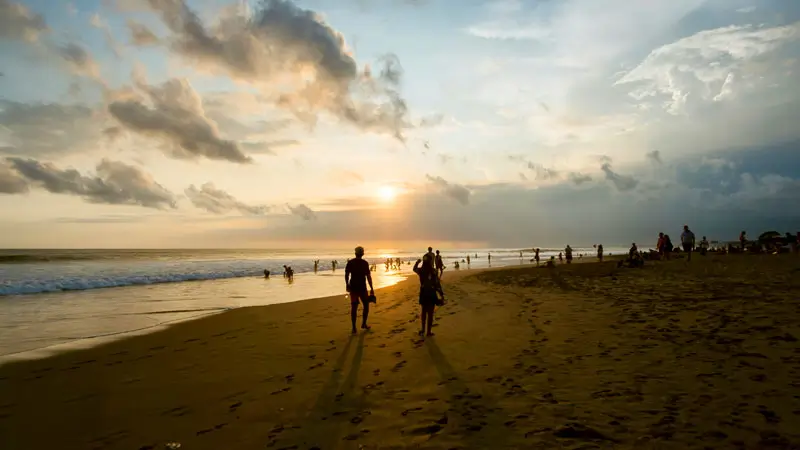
[422,316]
[365,316]
[430,319]
[353,314]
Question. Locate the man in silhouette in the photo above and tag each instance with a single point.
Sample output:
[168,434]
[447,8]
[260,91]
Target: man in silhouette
[439,264]
[356,277]
[687,242]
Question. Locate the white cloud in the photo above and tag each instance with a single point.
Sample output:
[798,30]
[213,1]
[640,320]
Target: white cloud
[746,10]
[703,66]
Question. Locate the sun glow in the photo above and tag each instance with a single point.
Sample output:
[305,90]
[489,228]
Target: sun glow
[387,193]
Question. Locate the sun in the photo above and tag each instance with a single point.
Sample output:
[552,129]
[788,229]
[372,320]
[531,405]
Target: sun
[387,193]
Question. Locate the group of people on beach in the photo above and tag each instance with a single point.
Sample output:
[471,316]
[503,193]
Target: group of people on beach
[357,276]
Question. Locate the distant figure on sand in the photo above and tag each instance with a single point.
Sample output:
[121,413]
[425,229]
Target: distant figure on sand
[429,286]
[560,257]
[468,260]
[600,252]
[289,273]
[439,264]
[568,253]
[266,273]
[703,246]
[285,271]
[333,265]
[356,277]
[536,256]
[687,242]
[316,265]
[489,256]
[743,239]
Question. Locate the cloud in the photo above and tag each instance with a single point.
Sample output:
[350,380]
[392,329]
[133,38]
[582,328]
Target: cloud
[217,201]
[703,66]
[302,211]
[277,43]
[746,9]
[11,182]
[457,192]
[621,182]
[78,60]
[655,156]
[579,178]
[115,183]
[47,129]
[20,23]
[543,173]
[99,23]
[175,115]
[141,35]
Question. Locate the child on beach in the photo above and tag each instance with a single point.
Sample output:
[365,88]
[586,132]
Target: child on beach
[429,286]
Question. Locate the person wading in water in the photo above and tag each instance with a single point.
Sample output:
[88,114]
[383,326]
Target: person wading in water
[356,277]
[429,286]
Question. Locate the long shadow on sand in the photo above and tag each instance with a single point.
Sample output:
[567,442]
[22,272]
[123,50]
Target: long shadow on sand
[474,409]
[327,418]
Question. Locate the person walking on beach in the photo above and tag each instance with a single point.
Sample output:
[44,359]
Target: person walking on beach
[600,252]
[743,239]
[687,242]
[568,253]
[266,273]
[439,264]
[356,277]
[536,256]
[429,286]
[467,259]
[489,257]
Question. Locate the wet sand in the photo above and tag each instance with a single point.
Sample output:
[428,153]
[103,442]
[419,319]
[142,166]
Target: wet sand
[674,355]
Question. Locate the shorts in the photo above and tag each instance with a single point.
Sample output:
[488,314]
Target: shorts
[355,296]
[687,248]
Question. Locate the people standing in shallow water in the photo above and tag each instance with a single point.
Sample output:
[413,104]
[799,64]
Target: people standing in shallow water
[489,257]
[439,264]
[356,277]
[536,256]
[468,259]
[429,286]
[568,253]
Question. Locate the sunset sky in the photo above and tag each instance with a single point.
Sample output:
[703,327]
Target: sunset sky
[318,123]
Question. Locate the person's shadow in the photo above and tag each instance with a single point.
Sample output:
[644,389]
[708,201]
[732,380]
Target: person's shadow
[323,429]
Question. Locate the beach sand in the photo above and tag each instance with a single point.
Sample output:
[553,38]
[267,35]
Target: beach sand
[674,355]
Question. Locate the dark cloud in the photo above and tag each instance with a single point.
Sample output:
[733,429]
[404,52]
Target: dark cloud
[621,182]
[46,129]
[141,36]
[455,191]
[20,23]
[579,178]
[281,38]
[78,59]
[217,201]
[11,182]
[543,173]
[115,183]
[655,156]
[302,211]
[175,115]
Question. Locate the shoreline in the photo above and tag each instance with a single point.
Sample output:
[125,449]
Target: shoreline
[198,312]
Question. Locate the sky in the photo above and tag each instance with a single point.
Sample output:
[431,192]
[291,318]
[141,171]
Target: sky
[396,123]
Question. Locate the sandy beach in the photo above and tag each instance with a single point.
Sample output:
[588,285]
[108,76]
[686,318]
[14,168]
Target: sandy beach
[674,355]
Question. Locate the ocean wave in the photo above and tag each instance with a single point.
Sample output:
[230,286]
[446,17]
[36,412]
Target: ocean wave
[81,284]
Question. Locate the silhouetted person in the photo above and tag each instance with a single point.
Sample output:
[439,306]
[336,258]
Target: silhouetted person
[704,246]
[356,277]
[536,256]
[285,271]
[568,253]
[316,265]
[687,242]
[266,273]
[468,260]
[429,286]
[600,252]
[439,264]
[743,239]
[333,265]
[489,257]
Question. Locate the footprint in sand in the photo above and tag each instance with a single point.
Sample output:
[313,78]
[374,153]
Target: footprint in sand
[281,391]
[398,366]
[316,366]
[408,411]
[398,354]
[376,372]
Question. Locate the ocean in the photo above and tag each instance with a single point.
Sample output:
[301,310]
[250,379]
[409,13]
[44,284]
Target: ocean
[51,300]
